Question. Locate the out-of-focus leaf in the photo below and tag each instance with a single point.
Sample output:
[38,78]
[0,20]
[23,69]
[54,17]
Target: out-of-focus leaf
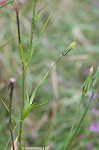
[41,9]
[7,42]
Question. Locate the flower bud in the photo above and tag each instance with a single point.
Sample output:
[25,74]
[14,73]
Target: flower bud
[71,46]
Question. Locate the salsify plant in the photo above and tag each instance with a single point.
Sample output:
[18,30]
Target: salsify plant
[28,104]
[90,84]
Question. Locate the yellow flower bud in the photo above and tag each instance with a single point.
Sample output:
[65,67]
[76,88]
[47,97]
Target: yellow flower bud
[71,46]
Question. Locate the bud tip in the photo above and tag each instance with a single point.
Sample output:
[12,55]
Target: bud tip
[73,45]
[91,70]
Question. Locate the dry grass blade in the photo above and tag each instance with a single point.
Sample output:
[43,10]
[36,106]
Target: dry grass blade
[38,148]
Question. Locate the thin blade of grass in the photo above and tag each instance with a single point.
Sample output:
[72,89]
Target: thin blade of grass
[7,42]
[7,109]
[85,88]
[70,140]
[6,3]
[5,105]
[45,25]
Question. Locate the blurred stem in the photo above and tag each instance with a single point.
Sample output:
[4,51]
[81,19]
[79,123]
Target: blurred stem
[43,79]
[22,106]
[79,125]
[82,97]
[52,67]
[40,83]
[23,73]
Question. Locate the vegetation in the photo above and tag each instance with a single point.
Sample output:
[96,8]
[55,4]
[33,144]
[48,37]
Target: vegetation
[49,84]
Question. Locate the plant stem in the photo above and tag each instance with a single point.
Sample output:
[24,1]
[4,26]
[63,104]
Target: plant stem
[40,83]
[11,88]
[23,74]
[22,106]
[79,125]
[77,111]
[43,79]
[18,24]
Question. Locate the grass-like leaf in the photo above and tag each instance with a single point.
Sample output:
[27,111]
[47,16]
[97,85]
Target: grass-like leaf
[6,3]
[71,138]
[30,107]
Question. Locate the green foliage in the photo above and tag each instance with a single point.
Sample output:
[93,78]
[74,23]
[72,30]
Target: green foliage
[58,113]
[29,108]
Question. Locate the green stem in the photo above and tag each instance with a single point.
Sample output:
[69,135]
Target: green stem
[40,83]
[52,67]
[82,97]
[21,52]
[78,127]
[43,79]
[22,107]
[23,84]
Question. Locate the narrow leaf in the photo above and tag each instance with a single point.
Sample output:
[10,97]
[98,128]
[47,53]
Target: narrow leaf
[6,3]
[26,112]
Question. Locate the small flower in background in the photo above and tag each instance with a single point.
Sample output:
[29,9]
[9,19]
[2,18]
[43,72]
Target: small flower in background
[94,127]
[2,2]
[27,143]
[95,111]
[92,95]
[89,146]
[85,71]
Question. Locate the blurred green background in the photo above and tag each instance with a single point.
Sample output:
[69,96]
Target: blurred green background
[71,20]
